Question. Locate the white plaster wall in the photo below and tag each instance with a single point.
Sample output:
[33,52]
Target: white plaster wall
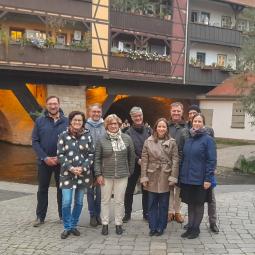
[211,53]
[216,10]
[222,118]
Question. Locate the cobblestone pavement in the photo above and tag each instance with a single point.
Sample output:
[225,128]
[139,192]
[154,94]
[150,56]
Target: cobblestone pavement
[236,211]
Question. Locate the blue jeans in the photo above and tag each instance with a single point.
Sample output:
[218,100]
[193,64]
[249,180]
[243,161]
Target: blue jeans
[94,200]
[71,218]
[158,210]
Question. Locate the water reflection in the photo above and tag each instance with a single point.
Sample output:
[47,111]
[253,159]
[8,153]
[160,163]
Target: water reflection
[17,163]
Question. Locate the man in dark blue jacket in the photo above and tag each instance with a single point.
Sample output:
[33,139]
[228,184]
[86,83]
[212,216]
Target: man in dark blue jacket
[44,141]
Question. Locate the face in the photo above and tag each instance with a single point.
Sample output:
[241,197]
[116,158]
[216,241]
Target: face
[77,122]
[192,113]
[113,126]
[52,106]
[176,113]
[198,123]
[161,129]
[137,118]
[95,113]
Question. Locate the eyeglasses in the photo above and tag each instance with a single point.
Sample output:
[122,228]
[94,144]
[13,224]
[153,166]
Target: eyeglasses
[76,120]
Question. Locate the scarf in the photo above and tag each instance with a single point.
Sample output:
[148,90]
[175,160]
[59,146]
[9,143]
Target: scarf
[117,141]
[75,133]
[95,124]
[197,132]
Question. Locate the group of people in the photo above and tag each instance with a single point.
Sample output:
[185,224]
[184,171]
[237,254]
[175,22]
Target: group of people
[174,162]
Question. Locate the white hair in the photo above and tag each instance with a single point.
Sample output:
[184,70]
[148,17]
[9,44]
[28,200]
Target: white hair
[135,109]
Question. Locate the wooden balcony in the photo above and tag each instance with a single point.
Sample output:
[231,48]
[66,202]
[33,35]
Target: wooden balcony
[139,66]
[62,7]
[214,35]
[205,77]
[46,58]
[140,23]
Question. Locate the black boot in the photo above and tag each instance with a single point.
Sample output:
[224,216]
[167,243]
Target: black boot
[126,218]
[105,230]
[186,233]
[119,230]
[194,233]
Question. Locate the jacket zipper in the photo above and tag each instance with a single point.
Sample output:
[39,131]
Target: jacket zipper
[115,164]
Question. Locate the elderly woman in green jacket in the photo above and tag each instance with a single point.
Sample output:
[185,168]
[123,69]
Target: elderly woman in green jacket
[114,163]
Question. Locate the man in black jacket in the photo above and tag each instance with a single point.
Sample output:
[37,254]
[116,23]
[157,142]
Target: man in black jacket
[138,133]
[44,141]
[176,125]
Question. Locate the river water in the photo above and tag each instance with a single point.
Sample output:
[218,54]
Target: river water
[17,163]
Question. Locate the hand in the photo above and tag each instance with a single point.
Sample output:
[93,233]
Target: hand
[139,161]
[50,161]
[75,170]
[171,184]
[100,180]
[207,185]
[145,184]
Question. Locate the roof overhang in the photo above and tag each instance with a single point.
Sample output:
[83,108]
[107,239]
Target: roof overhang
[246,3]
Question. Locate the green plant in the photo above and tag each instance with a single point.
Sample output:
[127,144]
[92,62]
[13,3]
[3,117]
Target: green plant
[85,44]
[247,166]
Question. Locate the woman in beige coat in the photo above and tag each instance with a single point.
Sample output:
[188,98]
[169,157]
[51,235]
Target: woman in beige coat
[160,171]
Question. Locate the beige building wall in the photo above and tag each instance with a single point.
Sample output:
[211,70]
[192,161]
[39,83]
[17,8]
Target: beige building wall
[72,98]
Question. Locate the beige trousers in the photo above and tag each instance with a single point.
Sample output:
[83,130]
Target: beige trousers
[118,188]
[175,200]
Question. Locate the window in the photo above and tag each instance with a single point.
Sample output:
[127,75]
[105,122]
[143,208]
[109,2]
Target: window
[226,22]
[205,18]
[160,49]
[16,34]
[124,46]
[61,40]
[238,115]
[221,60]
[242,25]
[252,26]
[201,57]
[194,16]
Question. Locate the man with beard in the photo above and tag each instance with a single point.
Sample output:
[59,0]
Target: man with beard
[95,124]
[138,133]
[176,125]
[44,141]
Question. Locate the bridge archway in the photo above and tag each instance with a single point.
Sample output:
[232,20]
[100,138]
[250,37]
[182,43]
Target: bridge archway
[5,128]
[153,107]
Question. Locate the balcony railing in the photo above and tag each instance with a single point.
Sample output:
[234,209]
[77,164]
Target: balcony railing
[139,66]
[140,23]
[66,7]
[214,35]
[207,77]
[48,58]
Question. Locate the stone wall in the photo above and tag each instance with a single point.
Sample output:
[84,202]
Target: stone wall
[71,97]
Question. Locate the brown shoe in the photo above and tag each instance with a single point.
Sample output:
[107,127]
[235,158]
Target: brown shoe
[179,218]
[170,217]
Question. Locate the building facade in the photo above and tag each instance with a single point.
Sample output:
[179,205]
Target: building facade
[172,49]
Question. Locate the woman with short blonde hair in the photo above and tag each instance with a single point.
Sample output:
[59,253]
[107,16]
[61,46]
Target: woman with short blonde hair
[114,163]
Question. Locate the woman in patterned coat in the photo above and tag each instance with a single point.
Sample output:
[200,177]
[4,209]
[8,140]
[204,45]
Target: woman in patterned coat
[75,154]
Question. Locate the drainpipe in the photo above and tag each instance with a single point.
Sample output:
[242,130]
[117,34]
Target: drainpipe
[186,43]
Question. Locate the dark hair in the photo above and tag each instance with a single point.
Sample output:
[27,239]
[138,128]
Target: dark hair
[198,114]
[73,114]
[50,97]
[155,134]
[194,107]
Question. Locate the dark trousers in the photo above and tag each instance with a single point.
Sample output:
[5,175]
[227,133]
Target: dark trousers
[195,215]
[158,210]
[44,175]
[128,201]
[212,209]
